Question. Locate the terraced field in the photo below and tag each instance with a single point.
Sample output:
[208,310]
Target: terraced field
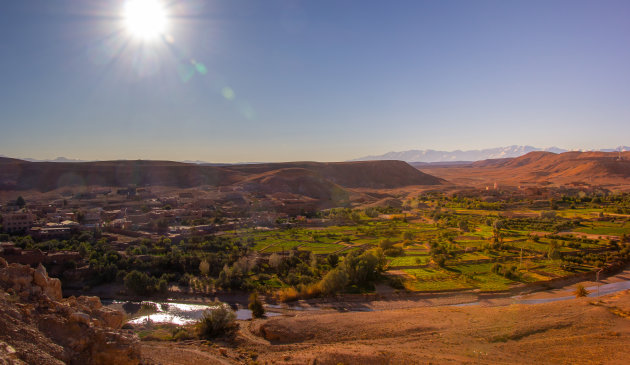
[526,247]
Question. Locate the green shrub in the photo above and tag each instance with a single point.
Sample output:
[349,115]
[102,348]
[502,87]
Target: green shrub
[183,334]
[440,260]
[256,306]
[217,321]
[394,251]
[140,283]
[332,260]
[386,244]
[396,282]
[334,281]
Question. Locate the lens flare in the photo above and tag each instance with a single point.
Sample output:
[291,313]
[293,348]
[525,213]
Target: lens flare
[145,19]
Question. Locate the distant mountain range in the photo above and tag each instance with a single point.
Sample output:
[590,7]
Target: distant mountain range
[426,156]
[58,159]
[470,155]
[64,159]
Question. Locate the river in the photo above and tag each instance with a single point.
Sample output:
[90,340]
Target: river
[180,312]
[171,311]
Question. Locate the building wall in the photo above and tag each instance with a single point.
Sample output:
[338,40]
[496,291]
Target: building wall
[15,222]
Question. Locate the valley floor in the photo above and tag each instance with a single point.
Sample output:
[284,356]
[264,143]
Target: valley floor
[584,330]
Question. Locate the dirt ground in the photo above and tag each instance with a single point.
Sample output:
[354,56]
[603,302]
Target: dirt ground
[584,331]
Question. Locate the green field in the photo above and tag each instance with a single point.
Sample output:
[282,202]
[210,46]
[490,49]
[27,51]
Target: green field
[606,228]
[429,274]
[322,248]
[437,285]
[470,253]
[282,246]
[407,260]
[474,256]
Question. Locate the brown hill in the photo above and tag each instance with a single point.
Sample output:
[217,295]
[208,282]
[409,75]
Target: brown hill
[46,176]
[594,168]
[298,182]
[361,174]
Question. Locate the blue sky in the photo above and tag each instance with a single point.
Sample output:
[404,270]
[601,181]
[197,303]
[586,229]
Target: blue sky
[312,80]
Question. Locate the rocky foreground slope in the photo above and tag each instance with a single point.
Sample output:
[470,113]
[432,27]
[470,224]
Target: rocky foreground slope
[38,326]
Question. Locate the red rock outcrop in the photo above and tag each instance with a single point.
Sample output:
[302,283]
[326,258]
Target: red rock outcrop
[40,327]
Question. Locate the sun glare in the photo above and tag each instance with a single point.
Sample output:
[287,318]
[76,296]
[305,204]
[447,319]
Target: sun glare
[145,19]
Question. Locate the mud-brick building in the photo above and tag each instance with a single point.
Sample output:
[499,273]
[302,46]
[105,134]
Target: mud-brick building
[17,222]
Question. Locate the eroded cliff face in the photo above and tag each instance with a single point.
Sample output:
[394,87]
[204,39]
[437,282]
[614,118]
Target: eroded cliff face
[40,327]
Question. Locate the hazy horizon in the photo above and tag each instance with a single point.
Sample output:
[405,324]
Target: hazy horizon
[233,81]
[358,158]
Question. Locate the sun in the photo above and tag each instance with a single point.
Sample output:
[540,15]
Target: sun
[145,19]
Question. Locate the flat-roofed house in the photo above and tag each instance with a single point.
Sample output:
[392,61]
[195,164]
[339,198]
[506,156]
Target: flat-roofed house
[17,222]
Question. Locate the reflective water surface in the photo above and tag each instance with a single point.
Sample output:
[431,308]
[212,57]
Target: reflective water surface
[172,312]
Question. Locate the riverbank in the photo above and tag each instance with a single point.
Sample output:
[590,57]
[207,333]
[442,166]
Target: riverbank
[424,328]
[385,297]
[413,300]
[576,331]
[184,309]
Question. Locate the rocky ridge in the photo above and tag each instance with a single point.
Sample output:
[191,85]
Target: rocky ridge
[41,327]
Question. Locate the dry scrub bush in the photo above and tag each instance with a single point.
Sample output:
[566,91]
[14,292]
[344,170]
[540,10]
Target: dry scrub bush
[304,292]
[580,291]
[287,294]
